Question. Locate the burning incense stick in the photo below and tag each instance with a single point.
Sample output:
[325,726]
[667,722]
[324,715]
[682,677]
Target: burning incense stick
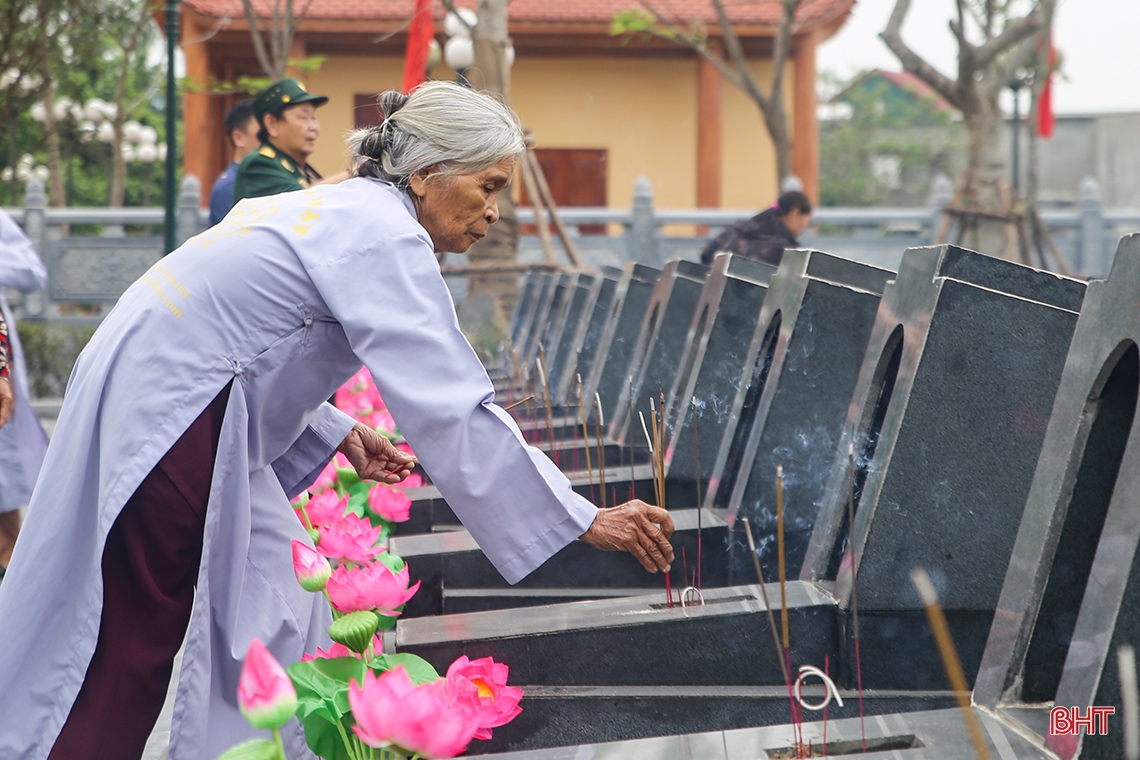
[520,402]
[599,425]
[585,430]
[780,555]
[1130,699]
[950,661]
[697,457]
[854,598]
[546,400]
[764,594]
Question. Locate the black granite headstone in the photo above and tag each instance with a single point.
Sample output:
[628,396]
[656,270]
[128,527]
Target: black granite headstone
[946,425]
[583,351]
[711,367]
[1072,591]
[807,348]
[656,360]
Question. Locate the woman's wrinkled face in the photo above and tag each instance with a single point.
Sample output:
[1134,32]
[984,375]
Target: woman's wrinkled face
[457,210]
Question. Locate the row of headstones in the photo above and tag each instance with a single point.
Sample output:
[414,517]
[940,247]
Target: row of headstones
[941,382]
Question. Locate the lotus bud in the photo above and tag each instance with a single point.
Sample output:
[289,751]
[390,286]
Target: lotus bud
[265,694]
[312,569]
[355,630]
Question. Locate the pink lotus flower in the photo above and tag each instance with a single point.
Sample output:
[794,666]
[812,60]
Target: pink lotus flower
[312,569]
[495,704]
[324,509]
[381,419]
[340,650]
[415,480]
[355,384]
[418,719]
[370,587]
[265,694]
[406,448]
[389,503]
[350,538]
[326,480]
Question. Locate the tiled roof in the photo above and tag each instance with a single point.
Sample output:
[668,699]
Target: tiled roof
[543,11]
[912,84]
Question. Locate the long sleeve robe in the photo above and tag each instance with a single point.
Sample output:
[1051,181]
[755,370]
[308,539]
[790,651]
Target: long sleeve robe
[23,440]
[288,296]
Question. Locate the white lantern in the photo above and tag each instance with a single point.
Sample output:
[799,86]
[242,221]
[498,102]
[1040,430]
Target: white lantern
[23,171]
[41,173]
[110,110]
[94,110]
[147,153]
[27,160]
[131,130]
[510,55]
[8,78]
[129,152]
[76,112]
[148,135]
[38,111]
[7,174]
[455,27]
[162,151]
[105,132]
[459,52]
[86,131]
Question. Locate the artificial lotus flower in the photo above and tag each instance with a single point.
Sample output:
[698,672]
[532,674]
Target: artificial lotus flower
[340,650]
[389,503]
[495,704]
[391,710]
[310,567]
[381,419]
[351,538]
[415,480]
[326,480]
[370,587]
[324,508]
[265,694]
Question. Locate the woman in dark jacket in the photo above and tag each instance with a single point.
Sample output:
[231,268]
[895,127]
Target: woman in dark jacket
[765,236]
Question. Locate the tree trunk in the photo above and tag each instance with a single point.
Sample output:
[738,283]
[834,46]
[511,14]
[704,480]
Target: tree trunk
[985,188]
[491,73]
[56,193]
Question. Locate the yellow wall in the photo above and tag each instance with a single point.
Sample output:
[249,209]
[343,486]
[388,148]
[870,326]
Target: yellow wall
[748,158]
[642,112]
[341,78]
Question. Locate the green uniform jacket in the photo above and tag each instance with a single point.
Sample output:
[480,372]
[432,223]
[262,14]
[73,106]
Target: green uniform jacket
[268,171]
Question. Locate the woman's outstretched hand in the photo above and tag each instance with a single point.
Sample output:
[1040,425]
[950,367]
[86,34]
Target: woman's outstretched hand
[374,457]
[641,529]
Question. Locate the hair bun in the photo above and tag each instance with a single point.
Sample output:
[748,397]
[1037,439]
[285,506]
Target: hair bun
[390,102]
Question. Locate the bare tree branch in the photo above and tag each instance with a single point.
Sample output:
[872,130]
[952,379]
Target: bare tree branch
[1014,32]
[912,62]
[255,33]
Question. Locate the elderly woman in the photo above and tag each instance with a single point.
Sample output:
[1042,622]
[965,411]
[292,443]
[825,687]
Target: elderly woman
[196,412]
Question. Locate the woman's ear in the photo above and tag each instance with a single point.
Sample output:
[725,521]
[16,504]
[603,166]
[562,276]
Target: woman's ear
[417,182]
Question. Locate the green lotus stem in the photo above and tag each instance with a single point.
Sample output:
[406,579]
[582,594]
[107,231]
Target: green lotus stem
[279,743]
[308,524]
[348,746]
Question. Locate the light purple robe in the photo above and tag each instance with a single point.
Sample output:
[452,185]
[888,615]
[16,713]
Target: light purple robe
[287,297]
[23,440]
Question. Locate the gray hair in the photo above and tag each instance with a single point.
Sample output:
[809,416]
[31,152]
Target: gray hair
[440,124]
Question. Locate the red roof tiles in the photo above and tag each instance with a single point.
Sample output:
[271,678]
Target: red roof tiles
[765,12]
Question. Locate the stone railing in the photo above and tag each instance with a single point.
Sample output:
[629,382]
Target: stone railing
[88,273]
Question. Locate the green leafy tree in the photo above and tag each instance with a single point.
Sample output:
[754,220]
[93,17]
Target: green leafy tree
[884,132]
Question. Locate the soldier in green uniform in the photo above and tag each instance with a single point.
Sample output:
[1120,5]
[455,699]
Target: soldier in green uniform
[287,115]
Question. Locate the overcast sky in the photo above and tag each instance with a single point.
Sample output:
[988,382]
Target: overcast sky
[1099,39]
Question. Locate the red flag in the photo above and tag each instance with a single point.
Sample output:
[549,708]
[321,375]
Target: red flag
[420,35]
[1045,119]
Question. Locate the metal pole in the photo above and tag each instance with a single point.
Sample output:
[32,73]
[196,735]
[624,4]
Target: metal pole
[1016,140]
[171,122]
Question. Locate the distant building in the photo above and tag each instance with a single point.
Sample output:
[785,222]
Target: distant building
[603,109]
